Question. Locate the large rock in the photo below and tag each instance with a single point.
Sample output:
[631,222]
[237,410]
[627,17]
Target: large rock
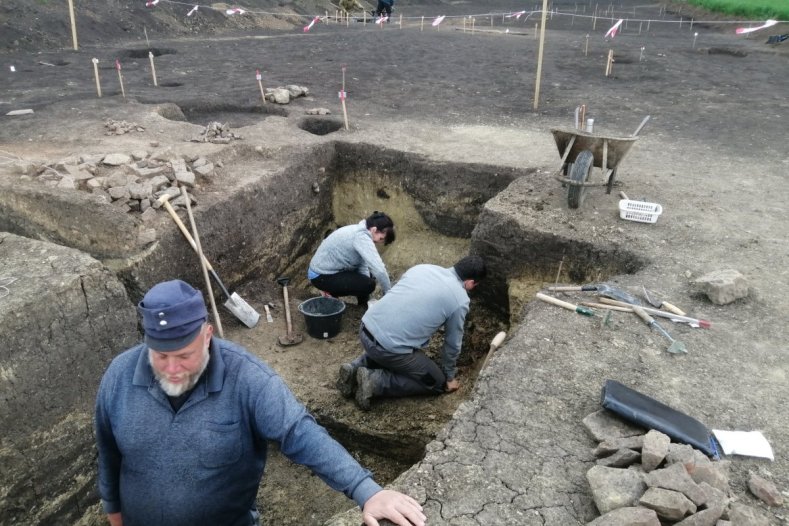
[64,318]
[631,516]
[614,488]
[613,445]
[605,426]
[765,490]
[620,459]
[676,478]
[116,159]
[706,517]
[671,505]
[723,286]
[654,450]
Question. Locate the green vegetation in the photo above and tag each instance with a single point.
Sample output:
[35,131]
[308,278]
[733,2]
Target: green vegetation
[753,9]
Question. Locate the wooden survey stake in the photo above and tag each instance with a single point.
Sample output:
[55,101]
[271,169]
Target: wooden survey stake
[539,55]
[343,96]
[259,78]
[153,69]
[73,24]
[120,78]
[96,75]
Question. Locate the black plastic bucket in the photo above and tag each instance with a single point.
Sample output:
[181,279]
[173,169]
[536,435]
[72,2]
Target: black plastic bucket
[323,316]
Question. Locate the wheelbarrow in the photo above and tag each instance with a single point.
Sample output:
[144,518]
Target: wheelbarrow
[581,152]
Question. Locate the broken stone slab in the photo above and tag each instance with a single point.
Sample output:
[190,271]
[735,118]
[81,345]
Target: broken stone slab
[148,215]
[714,495]
[621,459]
[740,514]
[67,182]
[185,178]
[145,204]
[612,446]
[120,178]
[164,154]
[140,190]
[146,236]
[764,490]
[681,454]
[200,161]
[116,159]
[713,473]
[119,192]
[630,516]
[139,155]
[147,173]
[654,450]
[723,286]
[671,505]
[88,167]
[204,170]
[180,201]
[706,517]
[676,478]
[614,488]
[172,191]
[318,111]
[178,165]
[159,182]
[604,426]
[77,173]
[297,91]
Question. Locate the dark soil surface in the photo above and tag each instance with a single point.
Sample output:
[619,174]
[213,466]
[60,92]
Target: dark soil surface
[716,145]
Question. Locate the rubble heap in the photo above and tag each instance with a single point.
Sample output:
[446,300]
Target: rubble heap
[121,127]
[217,133]
[642,479]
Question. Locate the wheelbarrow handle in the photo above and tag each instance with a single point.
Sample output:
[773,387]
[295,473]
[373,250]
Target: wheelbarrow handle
[643,123]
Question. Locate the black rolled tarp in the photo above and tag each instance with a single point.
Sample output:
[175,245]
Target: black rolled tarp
[649,413]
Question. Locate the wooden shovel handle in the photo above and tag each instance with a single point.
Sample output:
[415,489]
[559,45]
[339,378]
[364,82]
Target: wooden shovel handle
[165,201]
[643,315]
[673,308]
[556,301]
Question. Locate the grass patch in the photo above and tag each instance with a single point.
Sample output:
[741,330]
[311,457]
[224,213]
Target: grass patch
[756,9]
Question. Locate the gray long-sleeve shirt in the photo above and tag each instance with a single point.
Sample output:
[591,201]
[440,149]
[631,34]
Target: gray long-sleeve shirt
[351,248]
[425,298]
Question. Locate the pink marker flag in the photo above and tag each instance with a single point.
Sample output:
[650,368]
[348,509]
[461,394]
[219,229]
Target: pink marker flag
[117,64]
[438,20]
[382,19]
[151,3]
[516,15]
[258,76]
[312,23]
[741,30]
[192,11]
[235,11]
[342,95]
[612,32]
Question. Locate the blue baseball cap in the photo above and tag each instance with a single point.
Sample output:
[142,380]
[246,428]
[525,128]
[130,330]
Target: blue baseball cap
[173,312]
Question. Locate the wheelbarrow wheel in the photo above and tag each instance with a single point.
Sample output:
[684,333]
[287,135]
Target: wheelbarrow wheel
[581,170]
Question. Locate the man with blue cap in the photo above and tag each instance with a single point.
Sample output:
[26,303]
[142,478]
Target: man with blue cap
[183,420]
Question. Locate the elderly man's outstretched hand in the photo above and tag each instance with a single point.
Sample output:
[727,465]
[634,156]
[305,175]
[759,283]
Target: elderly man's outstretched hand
[394,506]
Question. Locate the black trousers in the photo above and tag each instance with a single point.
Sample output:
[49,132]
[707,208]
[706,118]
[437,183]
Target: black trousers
[383,8]
[348,283]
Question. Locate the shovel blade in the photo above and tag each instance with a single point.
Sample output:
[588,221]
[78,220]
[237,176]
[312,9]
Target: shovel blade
[242,310]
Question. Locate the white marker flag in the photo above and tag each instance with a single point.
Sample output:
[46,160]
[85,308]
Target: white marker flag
[438,20]
[612,32]
[151,3]
[382,19]
[741,30]
[516,15]
[192,11]
[235,11]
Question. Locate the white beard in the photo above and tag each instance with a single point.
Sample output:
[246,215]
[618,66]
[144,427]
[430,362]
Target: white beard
[177,389]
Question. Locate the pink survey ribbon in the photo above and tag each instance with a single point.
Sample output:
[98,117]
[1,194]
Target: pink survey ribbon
[151,3]
[235,11]
[192,11]
[741,30]
[258,76]
[516,15]
[312,23]
[382,19]
[438,20]
[342,94]
[612,32]
[117,64]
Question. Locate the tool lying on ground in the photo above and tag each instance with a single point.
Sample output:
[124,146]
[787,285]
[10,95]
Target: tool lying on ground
[290,338]
[660,304]
[235,304]
[676,347]
[704,324]
[565,304]
[495,343]
[602,289]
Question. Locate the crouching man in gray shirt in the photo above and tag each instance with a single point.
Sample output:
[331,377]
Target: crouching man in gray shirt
[399,325]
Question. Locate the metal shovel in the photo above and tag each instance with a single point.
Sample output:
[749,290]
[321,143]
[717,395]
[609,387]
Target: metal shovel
[235,304]
[290,338]
[660,304]
[676,347]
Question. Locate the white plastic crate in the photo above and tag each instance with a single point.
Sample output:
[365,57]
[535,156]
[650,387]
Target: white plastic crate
[640,211]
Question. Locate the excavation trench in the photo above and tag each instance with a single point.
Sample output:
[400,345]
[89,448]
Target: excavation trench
[261,217]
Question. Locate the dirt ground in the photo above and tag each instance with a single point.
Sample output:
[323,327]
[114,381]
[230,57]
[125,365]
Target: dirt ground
[717,102]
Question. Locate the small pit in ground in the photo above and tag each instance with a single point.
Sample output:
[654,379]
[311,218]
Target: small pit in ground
[318,126]
[143,52]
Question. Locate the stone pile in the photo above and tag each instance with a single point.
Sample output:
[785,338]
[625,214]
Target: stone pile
[217,133]
[132,182]
[283,95]
[642,479]
[121,127]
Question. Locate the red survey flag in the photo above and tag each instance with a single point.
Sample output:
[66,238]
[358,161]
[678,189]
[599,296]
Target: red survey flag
[741,30]
[312,23]
[612,32]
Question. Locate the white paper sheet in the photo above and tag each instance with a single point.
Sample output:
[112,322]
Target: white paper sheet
[746,443]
